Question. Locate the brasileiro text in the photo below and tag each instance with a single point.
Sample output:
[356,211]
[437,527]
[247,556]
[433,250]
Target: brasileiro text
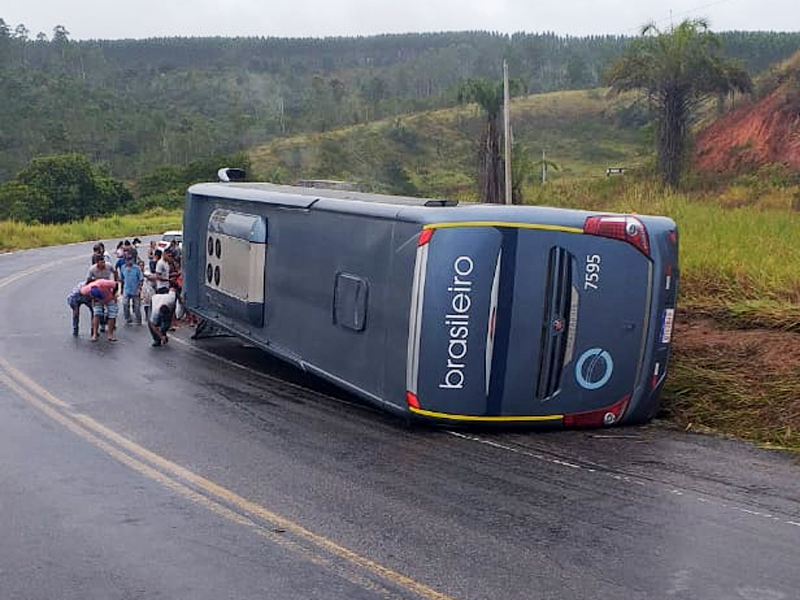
[458,323]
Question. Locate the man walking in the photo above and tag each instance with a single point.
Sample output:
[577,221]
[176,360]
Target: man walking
[132,279]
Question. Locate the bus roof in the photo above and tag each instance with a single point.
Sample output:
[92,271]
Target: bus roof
[267,192]
[425,211]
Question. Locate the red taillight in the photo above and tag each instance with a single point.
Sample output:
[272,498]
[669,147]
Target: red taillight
[598,418]
[425,236]
[625,228]
[656,377]
[411,400]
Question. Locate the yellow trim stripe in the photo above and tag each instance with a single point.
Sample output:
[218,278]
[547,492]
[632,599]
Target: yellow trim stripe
[502,224]
[479,419]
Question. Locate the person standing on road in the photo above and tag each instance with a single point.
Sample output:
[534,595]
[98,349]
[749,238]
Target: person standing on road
[160,277]
[132,279]
[147,290]
[100,269]
[104,302]
[151,255]
[100,248]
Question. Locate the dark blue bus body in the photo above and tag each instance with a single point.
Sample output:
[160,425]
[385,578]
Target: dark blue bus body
[454,313]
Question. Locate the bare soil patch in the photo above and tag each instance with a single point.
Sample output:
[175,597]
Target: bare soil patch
[744,383]
[758,350]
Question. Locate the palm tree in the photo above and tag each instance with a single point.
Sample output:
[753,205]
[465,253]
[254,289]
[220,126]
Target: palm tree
[678,70]
[489,97]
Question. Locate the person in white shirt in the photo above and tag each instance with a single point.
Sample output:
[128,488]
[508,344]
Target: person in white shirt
[161,311]
[160,277]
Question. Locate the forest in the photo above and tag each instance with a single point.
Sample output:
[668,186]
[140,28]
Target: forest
[135,106]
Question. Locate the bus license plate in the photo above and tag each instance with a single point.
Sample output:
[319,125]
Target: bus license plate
[666,326]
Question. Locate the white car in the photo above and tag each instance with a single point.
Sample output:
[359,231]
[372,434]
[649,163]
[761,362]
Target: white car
[168,237]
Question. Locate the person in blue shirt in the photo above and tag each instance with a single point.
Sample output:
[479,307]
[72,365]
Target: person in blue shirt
[132,279]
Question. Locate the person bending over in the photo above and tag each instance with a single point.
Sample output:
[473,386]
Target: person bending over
[75,300]
[162,307]
[104,302]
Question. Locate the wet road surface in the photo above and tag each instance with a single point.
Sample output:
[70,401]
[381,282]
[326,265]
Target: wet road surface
[206,469]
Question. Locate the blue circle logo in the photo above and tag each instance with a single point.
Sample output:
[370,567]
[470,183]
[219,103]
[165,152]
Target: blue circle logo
[594,368]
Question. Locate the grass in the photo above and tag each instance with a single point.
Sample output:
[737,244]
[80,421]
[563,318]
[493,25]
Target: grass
[578,130]
[20,236]
[727,389]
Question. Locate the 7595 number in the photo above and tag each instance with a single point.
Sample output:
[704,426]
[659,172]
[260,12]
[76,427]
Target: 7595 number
[591,279]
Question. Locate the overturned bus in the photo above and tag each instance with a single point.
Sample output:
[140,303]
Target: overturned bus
[455,313]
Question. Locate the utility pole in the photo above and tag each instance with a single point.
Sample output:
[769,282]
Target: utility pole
[507,132]
[544,168]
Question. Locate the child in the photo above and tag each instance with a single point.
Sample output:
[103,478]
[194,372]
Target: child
[147,291]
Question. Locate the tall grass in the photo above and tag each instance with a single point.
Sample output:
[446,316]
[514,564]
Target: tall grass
[19,236]
[742,256]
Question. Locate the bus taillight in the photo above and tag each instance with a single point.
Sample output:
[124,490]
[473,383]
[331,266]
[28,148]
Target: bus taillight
[598,418]
[425,237]
[627,229]
[411,400]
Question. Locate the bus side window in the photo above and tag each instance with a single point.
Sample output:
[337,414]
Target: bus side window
[350,301]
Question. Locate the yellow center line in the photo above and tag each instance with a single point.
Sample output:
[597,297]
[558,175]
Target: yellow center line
[173,476]
[33,270]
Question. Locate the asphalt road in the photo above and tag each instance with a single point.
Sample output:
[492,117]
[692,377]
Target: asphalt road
[206,470]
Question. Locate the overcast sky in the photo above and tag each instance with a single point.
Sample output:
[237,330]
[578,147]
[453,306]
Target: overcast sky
[117,19]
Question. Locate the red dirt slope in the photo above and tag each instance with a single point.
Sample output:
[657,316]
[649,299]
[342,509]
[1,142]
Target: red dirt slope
[767,131]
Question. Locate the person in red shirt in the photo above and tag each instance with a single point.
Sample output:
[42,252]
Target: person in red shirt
[104,301]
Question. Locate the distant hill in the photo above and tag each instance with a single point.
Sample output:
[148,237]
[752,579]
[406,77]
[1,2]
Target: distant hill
[765,131]
[136,105]
[433,153]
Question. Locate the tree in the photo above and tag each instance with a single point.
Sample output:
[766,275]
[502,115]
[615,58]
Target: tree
[19,202]
[489,97]
[60,34]
[21,33]
[64,188]
[544,165]
[5,42]
[677,69]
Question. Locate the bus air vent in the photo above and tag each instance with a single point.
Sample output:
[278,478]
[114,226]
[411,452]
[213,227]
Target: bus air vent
[555,324]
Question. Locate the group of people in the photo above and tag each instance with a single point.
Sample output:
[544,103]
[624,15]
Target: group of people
[151,283]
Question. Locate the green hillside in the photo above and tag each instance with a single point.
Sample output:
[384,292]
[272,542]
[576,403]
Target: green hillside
[433,153]
[137,105]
